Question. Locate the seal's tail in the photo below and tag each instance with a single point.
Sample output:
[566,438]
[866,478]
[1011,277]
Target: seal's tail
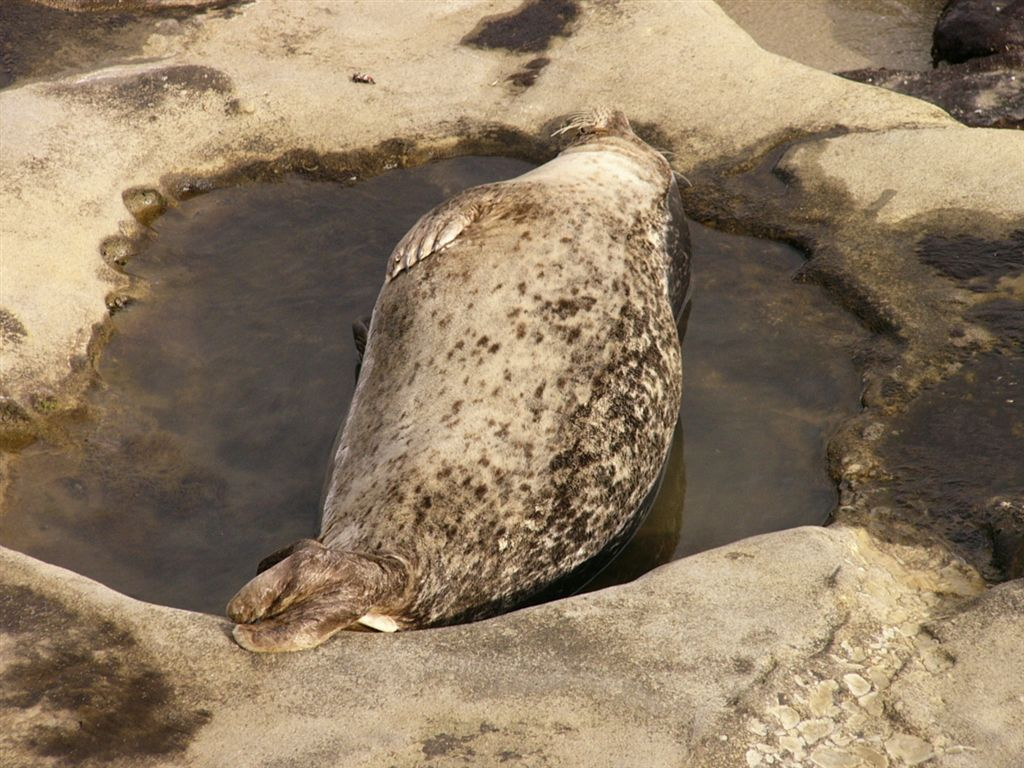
[309,592]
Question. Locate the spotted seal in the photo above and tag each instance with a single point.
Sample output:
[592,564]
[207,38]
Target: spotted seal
[518,393]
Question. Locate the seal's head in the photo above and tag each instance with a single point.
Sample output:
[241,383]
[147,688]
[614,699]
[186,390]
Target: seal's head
[600,121]
[607,128]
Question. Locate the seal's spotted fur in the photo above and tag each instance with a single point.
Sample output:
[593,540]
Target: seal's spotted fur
[517,398]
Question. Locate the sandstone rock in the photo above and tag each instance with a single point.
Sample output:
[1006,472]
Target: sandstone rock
[688,664]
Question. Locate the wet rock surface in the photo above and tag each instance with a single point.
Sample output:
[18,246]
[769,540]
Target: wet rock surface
[78,689]
[986,92]
[970,29]
[528,29]
[873,642]
[41,39]
[793,661]
[952,471]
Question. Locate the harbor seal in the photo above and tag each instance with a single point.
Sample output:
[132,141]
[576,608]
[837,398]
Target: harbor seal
[516,402]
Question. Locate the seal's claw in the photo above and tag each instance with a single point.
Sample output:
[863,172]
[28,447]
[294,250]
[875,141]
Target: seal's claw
[439,228]
[312,593]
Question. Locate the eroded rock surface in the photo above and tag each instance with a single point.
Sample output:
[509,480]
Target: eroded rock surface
[873,643]
[746,653]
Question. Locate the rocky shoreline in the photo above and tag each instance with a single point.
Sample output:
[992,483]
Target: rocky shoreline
[886,639]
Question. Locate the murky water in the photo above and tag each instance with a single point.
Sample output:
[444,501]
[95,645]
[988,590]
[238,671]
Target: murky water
[222,391]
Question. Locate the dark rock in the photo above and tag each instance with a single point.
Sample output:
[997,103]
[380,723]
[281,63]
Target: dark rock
[986,92]
[968,29]
[955,462]
[978,264]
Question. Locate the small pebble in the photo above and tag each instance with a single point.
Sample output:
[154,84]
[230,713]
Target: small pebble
[793,744]
[826,757]
[909,748]
[879,678]
[872,758]
[858,685]
[820,701]
[757,727]
[787,716]
[871,703]
[816,730]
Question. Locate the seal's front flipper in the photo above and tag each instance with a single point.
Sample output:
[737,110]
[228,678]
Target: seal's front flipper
[313,593]
[439,228]
[360,332]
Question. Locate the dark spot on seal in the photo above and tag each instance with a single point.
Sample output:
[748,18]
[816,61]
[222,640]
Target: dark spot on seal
[494,348]
[978,263]
[521,287]
[539,391]
[480,491]
[103,698]
[483,341]
[520,330]
[566,308]
[456,406]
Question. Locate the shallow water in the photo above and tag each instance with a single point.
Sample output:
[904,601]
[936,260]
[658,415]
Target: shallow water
[222,390]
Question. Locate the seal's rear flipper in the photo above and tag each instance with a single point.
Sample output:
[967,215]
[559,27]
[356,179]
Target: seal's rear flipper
[313,593]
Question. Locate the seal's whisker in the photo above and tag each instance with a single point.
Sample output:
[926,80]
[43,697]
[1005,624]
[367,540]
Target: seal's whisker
[589,118]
